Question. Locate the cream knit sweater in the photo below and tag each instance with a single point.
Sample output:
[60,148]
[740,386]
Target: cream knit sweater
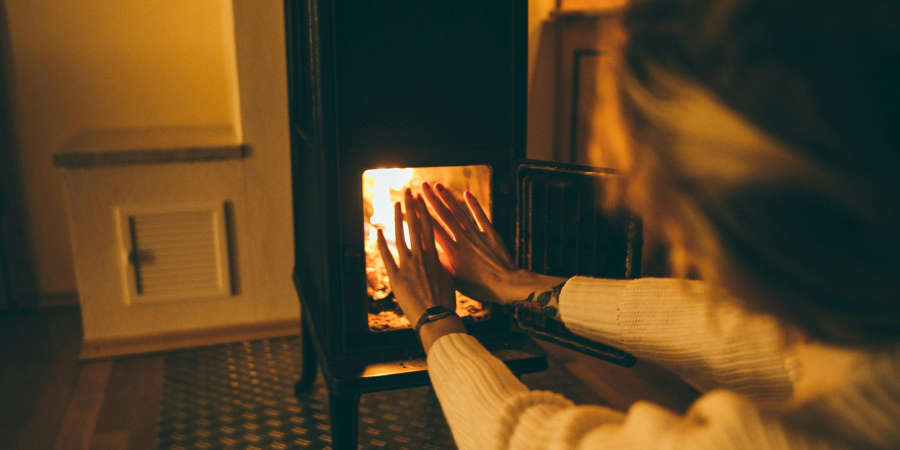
[758,395]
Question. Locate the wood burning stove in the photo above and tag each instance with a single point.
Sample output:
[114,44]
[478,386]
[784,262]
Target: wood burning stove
[428,90]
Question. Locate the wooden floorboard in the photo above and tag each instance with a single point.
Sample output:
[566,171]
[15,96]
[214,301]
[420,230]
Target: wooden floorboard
[80,420]
[144,428]
[114,440]
[22,390]
[48,414]
[131,404]
[52,401]
[29,357]
[59,373]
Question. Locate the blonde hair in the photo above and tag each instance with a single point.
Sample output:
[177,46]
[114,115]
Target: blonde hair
[709,151]
[785,232]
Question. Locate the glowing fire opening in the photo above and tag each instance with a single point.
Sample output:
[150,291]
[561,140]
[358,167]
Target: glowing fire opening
[381,189]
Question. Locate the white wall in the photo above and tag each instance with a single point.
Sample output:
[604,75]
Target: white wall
[91,64]
[262,70]
[106,65]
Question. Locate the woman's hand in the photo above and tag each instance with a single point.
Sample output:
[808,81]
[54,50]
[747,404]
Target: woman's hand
[474,252]
[420,281]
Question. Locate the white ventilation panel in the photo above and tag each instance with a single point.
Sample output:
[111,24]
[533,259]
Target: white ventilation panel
[175,252]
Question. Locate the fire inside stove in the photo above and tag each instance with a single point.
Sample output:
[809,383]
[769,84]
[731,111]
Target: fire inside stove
[381,189]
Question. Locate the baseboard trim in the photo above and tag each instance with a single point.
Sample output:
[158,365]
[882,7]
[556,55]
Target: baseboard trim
[128,346]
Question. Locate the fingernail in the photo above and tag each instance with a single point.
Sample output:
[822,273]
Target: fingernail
[425,185]
[439,186]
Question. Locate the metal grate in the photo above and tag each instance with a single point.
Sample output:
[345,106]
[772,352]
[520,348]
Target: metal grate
[563,232]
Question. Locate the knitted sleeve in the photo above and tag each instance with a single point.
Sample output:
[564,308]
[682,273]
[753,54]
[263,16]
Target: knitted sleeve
[488,408]
[711,344]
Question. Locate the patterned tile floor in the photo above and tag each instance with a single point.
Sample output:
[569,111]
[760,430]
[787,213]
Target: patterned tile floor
[240,396]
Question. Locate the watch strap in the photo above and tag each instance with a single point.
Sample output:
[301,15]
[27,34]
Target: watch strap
[433,314]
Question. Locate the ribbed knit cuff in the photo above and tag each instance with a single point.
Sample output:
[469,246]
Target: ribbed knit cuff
[590,307]
[459,351]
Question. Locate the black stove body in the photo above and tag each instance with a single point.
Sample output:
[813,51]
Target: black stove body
[402,83]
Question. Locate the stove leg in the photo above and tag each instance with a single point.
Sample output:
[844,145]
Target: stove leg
[310,367]
[344,421]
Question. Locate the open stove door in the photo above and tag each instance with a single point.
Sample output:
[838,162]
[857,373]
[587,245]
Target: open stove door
[561,231]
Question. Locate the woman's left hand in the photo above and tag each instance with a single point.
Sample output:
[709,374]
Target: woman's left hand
[419,281]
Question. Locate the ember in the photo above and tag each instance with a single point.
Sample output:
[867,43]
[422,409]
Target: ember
[381,189]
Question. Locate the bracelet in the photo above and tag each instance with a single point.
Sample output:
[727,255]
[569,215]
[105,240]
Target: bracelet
[433,314]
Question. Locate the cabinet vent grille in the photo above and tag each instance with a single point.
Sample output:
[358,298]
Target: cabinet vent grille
[177,254]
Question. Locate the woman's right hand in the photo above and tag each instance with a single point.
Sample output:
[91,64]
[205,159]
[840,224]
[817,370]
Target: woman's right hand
[472,250]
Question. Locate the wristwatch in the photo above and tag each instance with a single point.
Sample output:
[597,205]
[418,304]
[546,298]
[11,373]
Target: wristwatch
[433,314]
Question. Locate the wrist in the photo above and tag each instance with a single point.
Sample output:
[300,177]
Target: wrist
[515,286]
[433,314]
[522,283]
[432,331]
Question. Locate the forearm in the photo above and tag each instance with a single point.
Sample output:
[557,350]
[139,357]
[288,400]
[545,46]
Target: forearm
[673,323]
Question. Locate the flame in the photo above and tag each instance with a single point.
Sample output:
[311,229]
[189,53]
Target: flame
[384,182]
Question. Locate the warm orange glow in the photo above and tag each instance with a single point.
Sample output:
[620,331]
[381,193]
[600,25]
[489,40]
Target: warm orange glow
[385,186]
[381,189]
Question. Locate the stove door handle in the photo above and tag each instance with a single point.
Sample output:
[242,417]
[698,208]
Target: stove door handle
[537,326]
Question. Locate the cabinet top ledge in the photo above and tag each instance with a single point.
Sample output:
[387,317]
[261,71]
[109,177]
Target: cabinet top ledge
[132,146]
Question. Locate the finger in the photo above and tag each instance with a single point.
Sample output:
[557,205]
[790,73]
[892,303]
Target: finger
[455,208]
[483,222]
[497,246]
[427,229]
[442,237]
[448,252]
[399,239]
[412,219]
[386,255]
[444,214]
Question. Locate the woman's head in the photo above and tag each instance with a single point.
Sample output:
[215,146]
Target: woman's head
[765,142]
